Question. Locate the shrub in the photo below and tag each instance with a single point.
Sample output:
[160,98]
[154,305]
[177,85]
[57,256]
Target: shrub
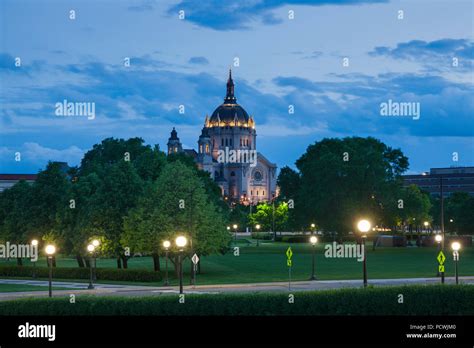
[418,300]
[82,273]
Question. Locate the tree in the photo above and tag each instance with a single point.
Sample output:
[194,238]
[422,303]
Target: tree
[176,203]
[269,219]
[342,180]
[460,209]
[14,211]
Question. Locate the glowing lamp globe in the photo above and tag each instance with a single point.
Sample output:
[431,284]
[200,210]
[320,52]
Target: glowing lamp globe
[363,226]
[456,246]
[50,249]
[181,241]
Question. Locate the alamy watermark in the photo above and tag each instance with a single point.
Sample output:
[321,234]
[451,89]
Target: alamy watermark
[392,108]
[75,109]
[237,156]
[28,251]
[336,250]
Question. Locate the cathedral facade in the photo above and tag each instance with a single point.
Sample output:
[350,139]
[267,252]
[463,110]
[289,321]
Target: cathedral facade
[227,150]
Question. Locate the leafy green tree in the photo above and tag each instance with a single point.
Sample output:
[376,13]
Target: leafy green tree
[176,203]
[342,180]
[270,218]
[14,211]
[459,213]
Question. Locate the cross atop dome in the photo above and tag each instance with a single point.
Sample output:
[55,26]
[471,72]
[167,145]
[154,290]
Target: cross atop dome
[230,98]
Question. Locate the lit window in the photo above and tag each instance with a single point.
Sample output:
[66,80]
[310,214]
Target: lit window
[207,148]
[200,148]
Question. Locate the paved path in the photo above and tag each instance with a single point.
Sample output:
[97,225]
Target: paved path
[79,289]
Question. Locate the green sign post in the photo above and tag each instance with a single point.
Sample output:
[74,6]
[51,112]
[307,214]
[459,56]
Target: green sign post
[289,263]
[441,258]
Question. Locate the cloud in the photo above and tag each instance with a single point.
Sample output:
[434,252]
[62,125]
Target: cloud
[223,15]
[198,60]
[142,5]
[434,54]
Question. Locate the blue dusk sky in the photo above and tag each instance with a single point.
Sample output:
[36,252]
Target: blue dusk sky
[290,53]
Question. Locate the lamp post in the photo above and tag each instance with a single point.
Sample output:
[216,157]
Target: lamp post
[90,249]
[257,226]
[426,224]
[181,242]
[456,246]
[364,227]
[50,250]
[313,240]
[438,239]
[34,243]
[313,226]
[96,244]
[234,226]
[166,245]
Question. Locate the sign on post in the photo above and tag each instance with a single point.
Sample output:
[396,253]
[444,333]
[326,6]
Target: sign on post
[441,258]
[289,263]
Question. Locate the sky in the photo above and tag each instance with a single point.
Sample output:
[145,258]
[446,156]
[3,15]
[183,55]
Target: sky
[334,62]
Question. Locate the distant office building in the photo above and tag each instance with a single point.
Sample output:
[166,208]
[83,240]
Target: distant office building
[8,180]
[453,179]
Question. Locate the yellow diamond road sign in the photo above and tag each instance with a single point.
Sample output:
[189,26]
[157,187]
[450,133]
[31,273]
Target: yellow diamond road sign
[441,268]
[441,258]
[289,253]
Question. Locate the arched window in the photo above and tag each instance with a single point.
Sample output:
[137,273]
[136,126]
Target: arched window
[222,141]
[200,148]
[207,148]
[232,173]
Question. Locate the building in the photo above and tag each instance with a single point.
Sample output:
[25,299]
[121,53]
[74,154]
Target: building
[454,179]
[8,180]
[227,150]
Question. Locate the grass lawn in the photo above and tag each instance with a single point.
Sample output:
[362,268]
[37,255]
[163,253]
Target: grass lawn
[267,263]
[23,287]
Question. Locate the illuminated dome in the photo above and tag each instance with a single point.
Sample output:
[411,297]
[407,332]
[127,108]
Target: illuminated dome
[230,113]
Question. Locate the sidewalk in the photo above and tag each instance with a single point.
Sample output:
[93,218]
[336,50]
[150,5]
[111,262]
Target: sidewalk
[135,290]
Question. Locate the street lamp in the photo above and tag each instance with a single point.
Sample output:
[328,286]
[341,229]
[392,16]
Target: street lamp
[234,226]
[439,239]
[50,250]
[181,242]
[166,245]
[313,240]
[96,244]
[34,243]
[90,249]
[426,224]
[313,226]
[364,227]
[456,246]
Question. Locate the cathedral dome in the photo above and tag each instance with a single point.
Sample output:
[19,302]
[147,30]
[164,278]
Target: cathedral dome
[229,113]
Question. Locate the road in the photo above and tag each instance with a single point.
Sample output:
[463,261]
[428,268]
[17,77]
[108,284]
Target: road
[80,289]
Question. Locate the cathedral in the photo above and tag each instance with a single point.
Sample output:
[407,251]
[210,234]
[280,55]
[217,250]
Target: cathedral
[227,150]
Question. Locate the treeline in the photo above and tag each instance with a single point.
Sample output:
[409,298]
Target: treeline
[339,181]
[128,195]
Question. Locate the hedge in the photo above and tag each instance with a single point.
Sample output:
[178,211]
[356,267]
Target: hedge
[82,273]
[417,300]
